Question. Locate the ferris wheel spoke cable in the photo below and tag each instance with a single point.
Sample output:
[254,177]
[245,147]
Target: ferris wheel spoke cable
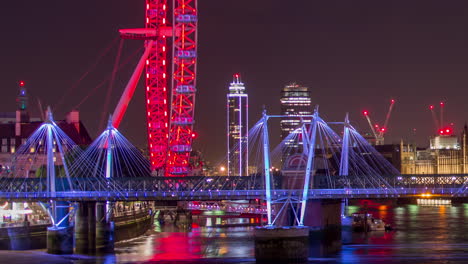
[109,88]
[108,78]
[103,53]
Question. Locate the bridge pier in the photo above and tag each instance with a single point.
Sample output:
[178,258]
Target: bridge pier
[60,236]
[322,228]
[60,240]
[183,218]
[85,228]
[288,244]
[324,219]
[104,229]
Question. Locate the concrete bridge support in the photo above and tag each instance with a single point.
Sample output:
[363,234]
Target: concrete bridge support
[281,244]
[60,236]
[60,240]
[94,232]
[104,229]
[85,228]
[324,219]
[322,223]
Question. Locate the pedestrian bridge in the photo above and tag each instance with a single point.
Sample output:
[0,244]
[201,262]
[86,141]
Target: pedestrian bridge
[222,188]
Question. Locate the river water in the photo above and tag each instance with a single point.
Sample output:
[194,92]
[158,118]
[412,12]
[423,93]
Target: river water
[424,234]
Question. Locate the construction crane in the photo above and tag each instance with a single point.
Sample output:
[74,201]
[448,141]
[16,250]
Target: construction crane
[170,59]
[379,131]
[441,128]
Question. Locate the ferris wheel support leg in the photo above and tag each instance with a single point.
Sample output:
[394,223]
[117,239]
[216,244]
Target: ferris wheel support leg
[121,108]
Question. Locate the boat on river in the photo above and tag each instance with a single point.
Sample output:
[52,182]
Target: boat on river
[361,222]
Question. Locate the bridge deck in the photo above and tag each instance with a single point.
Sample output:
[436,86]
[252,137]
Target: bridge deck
[224,188]
[229,194]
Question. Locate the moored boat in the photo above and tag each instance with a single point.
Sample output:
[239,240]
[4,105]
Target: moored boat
[363,222]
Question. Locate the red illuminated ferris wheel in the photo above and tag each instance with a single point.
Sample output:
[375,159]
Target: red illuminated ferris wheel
[170,60]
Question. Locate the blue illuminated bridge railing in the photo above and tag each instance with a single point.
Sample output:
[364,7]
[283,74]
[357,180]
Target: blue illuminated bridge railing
[227,194]
[224,188]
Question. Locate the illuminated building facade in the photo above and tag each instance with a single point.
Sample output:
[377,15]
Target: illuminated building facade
[295,104]
[16,127]
[237,129]
[445,142]
[445,156]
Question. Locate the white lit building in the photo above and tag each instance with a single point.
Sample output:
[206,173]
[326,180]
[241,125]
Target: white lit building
[445,142]
[237,129]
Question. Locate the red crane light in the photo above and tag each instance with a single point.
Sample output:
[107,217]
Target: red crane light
[445,131]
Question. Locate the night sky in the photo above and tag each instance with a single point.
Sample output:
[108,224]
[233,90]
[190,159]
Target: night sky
[354,55]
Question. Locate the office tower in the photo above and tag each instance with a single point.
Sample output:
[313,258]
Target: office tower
[237,129]
[295,103]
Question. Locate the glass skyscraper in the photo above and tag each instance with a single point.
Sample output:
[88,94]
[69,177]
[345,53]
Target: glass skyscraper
[295,103]
[237,129]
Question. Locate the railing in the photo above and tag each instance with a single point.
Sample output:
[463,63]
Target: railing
[394,181]
[222,187]
[230,195]
[192,183]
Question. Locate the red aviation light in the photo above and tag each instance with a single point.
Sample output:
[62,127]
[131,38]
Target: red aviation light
[21,83]
[366,113]
[446,131]
[392,101]
[442,104]
[194,135]
[431,107]
[383,129]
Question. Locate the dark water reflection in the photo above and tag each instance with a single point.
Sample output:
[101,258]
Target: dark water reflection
[424,234]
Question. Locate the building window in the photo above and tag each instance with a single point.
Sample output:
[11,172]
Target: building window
[4,145]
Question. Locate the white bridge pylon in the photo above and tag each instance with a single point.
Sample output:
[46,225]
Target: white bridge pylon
[309,143]
[352,154]
[46,157]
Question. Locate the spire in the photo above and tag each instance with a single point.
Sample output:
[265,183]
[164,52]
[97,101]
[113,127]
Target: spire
[49,116]
[316,110]
[237,86]
[109,123]
[22,99]
[236,78]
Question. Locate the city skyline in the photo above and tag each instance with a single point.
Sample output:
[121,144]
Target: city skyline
[352,57]
[342,136]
